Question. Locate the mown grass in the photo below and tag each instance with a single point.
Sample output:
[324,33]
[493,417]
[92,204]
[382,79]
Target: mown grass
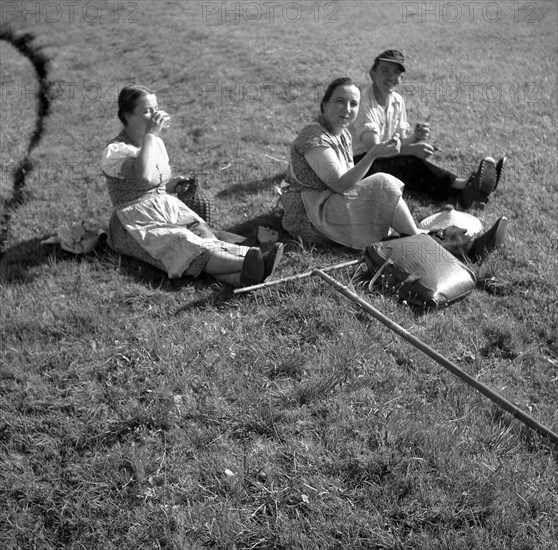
[138,412]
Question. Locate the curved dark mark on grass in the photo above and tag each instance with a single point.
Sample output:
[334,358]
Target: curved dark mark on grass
[23,43]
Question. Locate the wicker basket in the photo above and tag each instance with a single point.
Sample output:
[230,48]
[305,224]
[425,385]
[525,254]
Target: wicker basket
[189,192]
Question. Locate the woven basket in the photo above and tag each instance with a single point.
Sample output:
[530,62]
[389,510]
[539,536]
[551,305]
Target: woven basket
[193,197]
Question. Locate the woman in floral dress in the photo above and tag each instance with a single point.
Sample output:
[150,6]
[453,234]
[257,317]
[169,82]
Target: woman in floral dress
[330,199]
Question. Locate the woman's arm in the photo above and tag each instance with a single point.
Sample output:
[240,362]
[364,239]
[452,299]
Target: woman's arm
[329,169]
[369,138]
[143,168]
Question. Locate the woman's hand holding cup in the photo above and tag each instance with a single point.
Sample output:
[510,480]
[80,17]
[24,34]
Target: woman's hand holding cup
[158,121]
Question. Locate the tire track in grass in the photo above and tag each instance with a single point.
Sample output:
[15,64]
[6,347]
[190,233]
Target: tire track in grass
[23,43]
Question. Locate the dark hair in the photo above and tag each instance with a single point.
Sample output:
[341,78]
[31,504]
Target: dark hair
[128,97]
[343,81]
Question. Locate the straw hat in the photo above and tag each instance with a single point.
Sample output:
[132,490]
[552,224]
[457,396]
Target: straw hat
[448,216]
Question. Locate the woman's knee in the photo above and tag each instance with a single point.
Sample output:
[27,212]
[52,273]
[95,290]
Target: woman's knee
[387,182]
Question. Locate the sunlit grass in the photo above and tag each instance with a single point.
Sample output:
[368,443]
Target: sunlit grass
[138,412]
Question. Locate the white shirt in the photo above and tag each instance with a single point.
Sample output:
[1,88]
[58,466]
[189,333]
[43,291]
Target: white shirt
[372,117]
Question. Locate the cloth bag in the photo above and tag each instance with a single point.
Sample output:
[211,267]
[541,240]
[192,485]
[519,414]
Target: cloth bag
[80,238]
[418,270]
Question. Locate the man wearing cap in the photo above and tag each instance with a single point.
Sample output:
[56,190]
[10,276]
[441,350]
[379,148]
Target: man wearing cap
[382,117]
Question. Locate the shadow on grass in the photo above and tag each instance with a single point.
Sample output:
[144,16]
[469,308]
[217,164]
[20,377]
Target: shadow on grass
[249,228]
[422,206]
[252,187]
[17,263]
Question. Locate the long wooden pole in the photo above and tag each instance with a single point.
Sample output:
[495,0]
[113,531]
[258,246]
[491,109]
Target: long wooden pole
[491,394]
[295,277]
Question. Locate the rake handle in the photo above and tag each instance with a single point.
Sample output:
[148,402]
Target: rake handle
[479,386]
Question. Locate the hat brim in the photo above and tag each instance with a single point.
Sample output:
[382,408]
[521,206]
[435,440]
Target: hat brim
[393,61]
[446,218]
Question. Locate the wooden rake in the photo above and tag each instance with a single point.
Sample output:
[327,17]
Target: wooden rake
[454,369]
[296,277]
[419,344]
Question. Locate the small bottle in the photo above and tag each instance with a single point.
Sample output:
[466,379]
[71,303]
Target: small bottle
[422,130]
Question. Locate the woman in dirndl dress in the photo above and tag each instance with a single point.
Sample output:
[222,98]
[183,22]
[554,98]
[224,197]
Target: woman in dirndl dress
[153,225]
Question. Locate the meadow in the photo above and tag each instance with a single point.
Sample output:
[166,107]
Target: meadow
[138,412]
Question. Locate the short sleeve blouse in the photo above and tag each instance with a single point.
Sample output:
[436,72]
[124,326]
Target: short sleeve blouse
[300,174]
[114,156]
[122,190]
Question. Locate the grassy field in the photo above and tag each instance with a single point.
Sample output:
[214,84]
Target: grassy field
[142,413]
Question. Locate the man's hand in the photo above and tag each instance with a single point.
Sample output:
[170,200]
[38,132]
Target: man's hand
[422,131]
[420,150]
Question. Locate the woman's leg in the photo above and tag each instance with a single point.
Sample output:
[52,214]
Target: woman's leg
[225,267]
[242,266]
[403,221]
[231,279]
[222,262]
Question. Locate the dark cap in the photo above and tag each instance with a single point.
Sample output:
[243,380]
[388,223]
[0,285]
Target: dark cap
[394,56]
